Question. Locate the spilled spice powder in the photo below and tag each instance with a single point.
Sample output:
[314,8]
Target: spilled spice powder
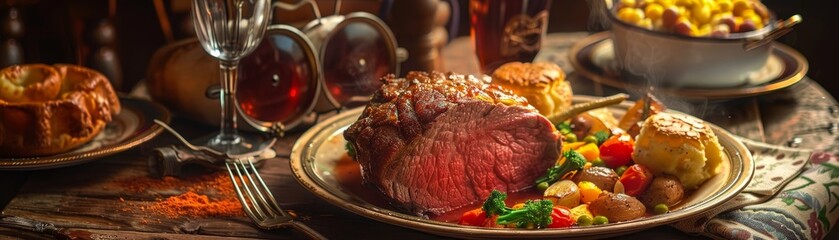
[207,195]
[196,205]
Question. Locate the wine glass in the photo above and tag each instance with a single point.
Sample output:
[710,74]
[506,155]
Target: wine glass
[229,30]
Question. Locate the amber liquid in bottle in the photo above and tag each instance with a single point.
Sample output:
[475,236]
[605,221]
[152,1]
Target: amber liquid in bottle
[507,30]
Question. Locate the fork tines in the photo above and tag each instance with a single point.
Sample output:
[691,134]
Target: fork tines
[257,201]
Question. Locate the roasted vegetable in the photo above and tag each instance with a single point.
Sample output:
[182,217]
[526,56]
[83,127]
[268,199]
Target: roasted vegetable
[601,136]
[630,122]
[589,151]
[603,177]
[534,214]
[591,125]
[573,161]
[636,179]
[581,211]
[617,150]
[495,205]
[563,193]
[561,217]
[564,127]
[588,191]
[586,106]
[617,207]
[664,189]
[570,146]
[476,217]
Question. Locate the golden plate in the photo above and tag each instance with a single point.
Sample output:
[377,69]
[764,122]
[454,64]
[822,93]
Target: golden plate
[315,154]
[593,58]
[131,127]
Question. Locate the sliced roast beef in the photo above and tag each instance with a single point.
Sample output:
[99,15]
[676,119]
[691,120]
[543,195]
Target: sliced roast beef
[434,142]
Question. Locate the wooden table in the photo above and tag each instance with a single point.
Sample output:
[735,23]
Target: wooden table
[88,202]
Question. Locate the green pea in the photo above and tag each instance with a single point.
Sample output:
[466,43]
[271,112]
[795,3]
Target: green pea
[597,162]
[542,186]
[620,170]
[571,137]
[661,208]
[600,220]
[590,139]
[584,220]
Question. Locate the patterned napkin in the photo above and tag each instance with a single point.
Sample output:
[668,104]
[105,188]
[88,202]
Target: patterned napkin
[779,203]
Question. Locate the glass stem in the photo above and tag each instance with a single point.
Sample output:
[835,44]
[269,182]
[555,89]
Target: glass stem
[229,75]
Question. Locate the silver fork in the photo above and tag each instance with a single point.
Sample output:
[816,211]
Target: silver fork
[215,153]
[258,202]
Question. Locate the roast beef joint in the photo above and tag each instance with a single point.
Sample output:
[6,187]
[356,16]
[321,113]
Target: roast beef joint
[435,142]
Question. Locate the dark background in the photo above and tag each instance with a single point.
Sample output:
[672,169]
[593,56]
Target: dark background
[814,37]
[60,30]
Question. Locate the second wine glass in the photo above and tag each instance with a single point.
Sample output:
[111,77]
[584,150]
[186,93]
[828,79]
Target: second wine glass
[230,30]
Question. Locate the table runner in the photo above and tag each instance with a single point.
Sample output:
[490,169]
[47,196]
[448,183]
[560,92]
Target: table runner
[805,206]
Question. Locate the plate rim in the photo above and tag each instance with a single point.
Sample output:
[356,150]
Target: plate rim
[796,76]
[305,176]
[139,106]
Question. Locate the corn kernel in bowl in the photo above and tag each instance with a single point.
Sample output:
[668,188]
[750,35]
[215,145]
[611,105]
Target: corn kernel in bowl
[696,18]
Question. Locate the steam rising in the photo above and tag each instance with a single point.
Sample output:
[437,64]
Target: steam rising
[641,60]
[597,18]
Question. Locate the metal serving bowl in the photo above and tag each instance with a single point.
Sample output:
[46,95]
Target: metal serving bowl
[673,60]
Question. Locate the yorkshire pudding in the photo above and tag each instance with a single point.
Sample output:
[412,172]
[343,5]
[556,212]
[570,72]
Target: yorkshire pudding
[48,110]
[542,83]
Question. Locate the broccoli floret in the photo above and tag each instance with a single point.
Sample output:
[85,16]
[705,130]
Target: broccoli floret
[495,205]
[601,136]
[534,213]
[350,149]
[573,161]
[564,127]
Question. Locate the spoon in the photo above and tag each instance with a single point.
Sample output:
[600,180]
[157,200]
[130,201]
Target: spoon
[781,28]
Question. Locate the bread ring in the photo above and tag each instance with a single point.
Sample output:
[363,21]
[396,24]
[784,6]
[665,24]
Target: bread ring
[29,83]
[35,124]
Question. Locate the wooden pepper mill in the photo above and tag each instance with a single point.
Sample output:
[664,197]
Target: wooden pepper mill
[419,27]
[11,31]
[104,57]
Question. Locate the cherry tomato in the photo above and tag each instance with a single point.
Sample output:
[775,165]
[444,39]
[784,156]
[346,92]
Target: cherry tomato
[474,217]
[617,150]
[636,179]
[561,217]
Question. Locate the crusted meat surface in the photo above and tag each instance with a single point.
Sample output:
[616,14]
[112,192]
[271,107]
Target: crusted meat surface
[435,142]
